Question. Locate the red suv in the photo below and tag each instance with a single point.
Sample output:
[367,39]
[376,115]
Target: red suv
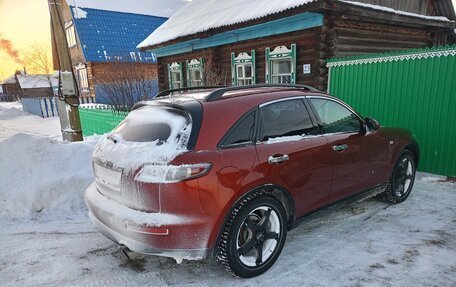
[226,172]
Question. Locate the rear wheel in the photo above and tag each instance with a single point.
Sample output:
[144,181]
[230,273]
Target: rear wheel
[253,236]
[402,178]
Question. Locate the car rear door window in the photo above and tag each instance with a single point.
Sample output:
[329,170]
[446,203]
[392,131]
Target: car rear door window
[285,118]
[335,118]
[242,132]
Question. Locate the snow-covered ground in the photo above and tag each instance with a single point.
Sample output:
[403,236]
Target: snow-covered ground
[13,120]
[365,244]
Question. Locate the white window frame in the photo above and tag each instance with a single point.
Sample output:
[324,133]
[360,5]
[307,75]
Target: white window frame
[83,79]
[281,53]
[242,60]
[70,34]
[175,68]
[195,65]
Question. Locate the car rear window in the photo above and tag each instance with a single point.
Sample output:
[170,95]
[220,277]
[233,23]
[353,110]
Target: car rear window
[155,124]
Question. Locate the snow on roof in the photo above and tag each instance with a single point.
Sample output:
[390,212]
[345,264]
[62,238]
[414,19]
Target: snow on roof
[391,10]
[202,15]
[28,81]
[9,80]
[162,8]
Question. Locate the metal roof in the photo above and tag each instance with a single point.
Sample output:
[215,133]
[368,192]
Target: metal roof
[108,36]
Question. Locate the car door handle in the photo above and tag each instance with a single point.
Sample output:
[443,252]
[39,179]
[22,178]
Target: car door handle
[278,159]
[340,147]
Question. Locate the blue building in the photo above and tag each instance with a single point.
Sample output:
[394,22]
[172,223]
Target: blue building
[102,37]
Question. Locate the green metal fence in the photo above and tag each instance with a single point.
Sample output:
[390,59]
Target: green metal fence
[99,120]
[414,89]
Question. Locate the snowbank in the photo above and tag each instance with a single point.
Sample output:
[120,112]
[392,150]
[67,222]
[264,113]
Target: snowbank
[11,113]
[13,121]
[38,174]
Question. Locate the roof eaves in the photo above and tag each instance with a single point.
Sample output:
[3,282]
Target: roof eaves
[403,17]
[223,28]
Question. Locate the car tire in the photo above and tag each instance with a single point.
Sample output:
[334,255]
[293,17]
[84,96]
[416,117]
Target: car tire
[253,236]
[401,179]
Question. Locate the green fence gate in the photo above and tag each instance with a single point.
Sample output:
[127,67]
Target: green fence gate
[99,120]
[414,89]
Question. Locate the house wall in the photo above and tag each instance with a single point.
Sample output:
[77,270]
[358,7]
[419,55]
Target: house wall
[351,37]
[37,92]
[307,42]
[105,72]
[338,37]
[100,74]
[12,91]
[424,7]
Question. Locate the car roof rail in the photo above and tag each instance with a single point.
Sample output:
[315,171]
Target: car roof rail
[170,91]
[218,94]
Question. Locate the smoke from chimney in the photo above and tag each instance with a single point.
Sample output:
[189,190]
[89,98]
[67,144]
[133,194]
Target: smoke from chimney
[7,46]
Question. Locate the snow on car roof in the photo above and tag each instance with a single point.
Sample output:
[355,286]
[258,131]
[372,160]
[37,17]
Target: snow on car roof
[163,8]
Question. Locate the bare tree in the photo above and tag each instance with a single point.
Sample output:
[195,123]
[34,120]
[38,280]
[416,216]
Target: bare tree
[37,60]
[122,88]
[213,75]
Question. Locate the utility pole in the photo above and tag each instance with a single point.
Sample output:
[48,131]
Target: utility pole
[68,109]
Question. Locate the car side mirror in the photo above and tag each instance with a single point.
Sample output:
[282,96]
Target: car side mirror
[372,124]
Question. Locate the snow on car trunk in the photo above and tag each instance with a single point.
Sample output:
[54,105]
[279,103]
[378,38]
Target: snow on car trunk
[38,174]
[132,161]
[148,135]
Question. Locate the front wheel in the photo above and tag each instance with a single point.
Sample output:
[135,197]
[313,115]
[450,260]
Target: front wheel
[253,236]
[401,179]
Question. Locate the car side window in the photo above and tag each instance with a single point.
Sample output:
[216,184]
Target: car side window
[335,117]
[285,118]
[242,132]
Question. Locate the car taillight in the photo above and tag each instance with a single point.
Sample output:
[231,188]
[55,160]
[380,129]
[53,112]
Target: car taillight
[171,173]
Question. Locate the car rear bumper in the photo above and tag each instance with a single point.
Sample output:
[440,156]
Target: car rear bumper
[179,237]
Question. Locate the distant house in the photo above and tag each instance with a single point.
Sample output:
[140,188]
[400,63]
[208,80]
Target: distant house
[11,89]
[242,42]
[22,85]
[37,85]
[102,37]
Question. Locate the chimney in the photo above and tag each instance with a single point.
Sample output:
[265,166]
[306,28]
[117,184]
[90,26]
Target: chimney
[25,71]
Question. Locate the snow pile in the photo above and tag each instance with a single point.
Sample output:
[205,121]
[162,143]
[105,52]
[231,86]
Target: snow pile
[216,13]
[13,121]
[39,174]
[11,113]
[114,148]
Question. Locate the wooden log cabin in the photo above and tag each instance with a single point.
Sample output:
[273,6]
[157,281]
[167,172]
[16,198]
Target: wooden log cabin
[240,42]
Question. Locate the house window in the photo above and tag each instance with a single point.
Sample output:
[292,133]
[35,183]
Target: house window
[243,69]
[83,80]
[195,76]
[175,76]
[70,34]
[281,65]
